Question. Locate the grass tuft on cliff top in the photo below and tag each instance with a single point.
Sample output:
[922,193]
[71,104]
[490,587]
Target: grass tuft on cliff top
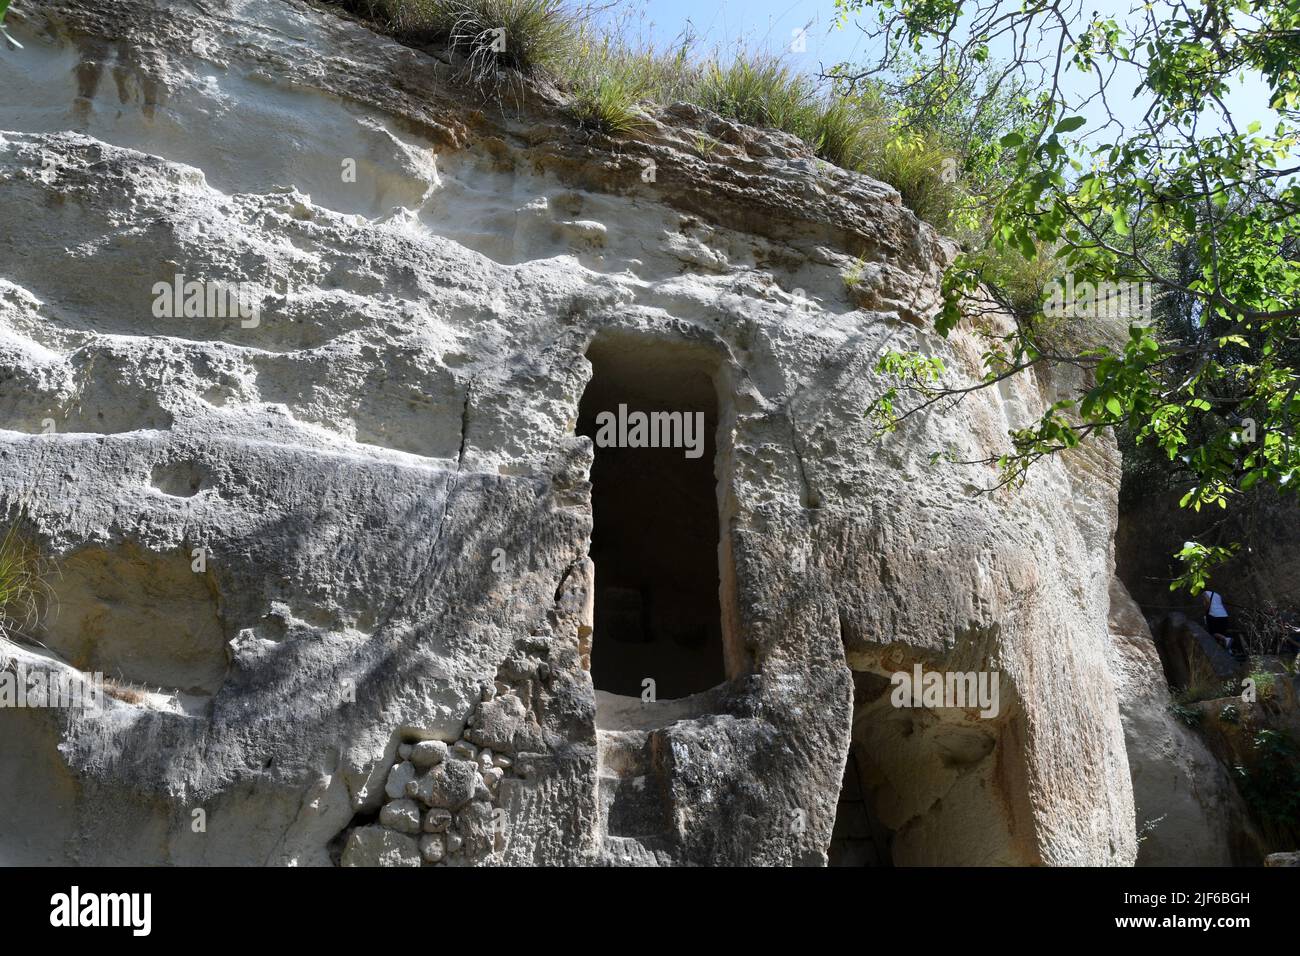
[531,37]
[611,76]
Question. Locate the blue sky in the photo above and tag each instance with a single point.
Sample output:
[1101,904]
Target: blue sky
[761,23]
[770,25]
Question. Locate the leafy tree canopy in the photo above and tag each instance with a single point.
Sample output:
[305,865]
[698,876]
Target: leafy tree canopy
[1127,173]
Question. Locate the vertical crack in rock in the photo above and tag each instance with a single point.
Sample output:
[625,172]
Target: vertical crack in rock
[464,425]
[807,496]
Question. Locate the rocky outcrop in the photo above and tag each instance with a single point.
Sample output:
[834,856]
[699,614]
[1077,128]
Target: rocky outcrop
[1191,657]
[1188,811]
[362,442]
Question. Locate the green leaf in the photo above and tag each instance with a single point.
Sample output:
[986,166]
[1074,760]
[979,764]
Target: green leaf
[1070,124]
[1119,217]
[1011,139]
[1114,406]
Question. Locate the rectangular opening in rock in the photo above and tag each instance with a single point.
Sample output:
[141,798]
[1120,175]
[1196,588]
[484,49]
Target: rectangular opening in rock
[651,409]
[925,786]
[859,838]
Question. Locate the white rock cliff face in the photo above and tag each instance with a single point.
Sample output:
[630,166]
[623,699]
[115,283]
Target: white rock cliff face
[382,470]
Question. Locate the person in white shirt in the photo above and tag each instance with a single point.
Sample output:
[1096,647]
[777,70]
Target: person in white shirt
[1217,619]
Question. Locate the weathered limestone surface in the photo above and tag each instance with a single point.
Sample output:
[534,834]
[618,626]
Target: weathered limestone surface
[401,416]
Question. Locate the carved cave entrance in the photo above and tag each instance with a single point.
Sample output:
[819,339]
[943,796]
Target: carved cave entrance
[928,786]
[655,535]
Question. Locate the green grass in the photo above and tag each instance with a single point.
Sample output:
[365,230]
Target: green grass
[611,79]
[914,164]
[1265,687]
[609,105]
[852,276]
[760,91]
[843,134]
[22,581]
[706,145]
[660,75]
[531,37]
